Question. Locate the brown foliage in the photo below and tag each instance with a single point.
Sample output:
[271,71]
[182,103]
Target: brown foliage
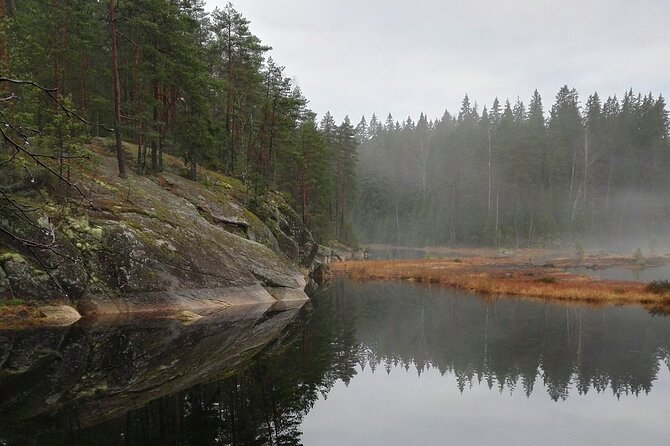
[505,278]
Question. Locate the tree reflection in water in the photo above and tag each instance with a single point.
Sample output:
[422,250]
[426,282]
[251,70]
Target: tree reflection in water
[508,344]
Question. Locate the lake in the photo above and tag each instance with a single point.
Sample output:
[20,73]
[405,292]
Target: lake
[377,363]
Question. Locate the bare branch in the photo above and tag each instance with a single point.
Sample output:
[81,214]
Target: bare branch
[23,82]
[17,139]
[52,94]
[28,243]
[36,159]
[9,98]
[128,39]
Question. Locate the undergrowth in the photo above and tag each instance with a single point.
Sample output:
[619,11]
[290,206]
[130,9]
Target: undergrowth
[658,287]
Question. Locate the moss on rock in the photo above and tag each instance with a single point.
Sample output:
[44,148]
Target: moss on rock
[152,235]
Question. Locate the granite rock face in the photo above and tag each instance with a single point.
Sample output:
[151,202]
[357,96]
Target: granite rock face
[154,244]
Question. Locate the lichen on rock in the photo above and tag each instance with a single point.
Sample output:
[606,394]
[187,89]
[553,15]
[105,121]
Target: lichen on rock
[162,236]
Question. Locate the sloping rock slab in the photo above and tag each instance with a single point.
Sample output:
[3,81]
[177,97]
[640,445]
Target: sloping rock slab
[59,315]
[175,301]
[288,294]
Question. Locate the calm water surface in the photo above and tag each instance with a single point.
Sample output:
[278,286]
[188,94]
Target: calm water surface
[363,364]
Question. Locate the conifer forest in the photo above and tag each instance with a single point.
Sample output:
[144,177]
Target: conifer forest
[351,222]
[588,166]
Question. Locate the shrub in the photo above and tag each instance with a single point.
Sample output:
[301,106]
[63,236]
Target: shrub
[11,303]
[658,286]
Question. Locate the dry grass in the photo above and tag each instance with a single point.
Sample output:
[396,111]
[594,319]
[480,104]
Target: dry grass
[19,315]
[506,278]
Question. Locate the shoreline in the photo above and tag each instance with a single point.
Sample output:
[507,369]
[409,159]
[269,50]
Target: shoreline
[175,304]
[515,276]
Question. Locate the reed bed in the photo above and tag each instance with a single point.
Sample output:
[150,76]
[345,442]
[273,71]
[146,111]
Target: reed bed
[507,278]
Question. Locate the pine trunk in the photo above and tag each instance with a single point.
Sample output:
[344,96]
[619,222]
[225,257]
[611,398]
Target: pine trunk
[4,55]
[154,143]
[117,92]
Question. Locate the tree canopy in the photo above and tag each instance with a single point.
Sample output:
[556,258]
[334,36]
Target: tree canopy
[511,176]
[175,79]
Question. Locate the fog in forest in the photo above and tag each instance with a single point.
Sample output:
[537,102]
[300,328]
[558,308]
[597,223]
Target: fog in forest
[557,167]
[538,165]
[581,172]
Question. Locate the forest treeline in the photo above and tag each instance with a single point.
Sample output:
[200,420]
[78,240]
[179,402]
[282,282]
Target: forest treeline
[513,175]
[176,79]
[189,83]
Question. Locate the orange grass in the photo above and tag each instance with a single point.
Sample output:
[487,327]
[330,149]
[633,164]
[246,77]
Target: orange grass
[19,316]
[505,278]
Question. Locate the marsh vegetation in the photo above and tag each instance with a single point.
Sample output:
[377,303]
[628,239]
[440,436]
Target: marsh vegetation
[557,279]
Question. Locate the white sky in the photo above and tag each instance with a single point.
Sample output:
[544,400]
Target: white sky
[403,409]
[357,57]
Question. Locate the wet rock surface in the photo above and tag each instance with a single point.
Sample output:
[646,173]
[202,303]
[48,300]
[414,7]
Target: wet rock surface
[55,315]
[156,243]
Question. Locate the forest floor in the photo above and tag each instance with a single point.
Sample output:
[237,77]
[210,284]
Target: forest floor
[532,273]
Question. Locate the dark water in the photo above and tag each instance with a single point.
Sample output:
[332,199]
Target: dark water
[363,364]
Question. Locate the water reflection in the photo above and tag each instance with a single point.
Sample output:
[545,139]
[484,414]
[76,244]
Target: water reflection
[60,385]
[437,366]
[508,343]
[429,341]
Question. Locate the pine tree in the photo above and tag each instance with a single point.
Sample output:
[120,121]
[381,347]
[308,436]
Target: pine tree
[345,162]
[566,137]
[239,58]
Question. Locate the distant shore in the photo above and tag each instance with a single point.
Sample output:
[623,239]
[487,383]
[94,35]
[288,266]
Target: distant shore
[516,274]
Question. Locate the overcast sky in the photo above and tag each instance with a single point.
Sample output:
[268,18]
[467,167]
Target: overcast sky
[357,57]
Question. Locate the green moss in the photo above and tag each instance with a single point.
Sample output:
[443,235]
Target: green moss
[15,256]
[258,228]
[166,216]
[106,186]
[82,234]
[149,274]
[11,303]
[79,224]
[147,236]
[96,233]
[220,183]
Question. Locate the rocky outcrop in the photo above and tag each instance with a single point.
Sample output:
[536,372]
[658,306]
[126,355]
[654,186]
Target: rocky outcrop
[293,239]
[154,244]
[339,252]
